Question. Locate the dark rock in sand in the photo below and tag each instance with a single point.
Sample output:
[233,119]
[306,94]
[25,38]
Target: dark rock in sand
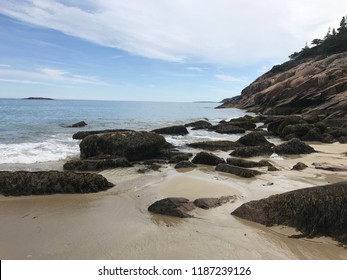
[134,145]
[83,134]
[50,182]
[272,169]
[238,171]
[180,157]
[329,167]
[246,163]
[185,164]
[199,125]
[254,139]
[228,129]
[173,206]
[299,166]
[207,203]
[222,145]
[172,130]
[251,151]
[315,211]
[94,165]
[293,147]
[207,158]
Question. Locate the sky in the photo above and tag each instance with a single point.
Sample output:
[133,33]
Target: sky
[151,50]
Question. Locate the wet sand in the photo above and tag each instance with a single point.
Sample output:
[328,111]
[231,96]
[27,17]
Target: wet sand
[115,224]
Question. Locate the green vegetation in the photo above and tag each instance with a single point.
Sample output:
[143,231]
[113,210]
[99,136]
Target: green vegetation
[335,41]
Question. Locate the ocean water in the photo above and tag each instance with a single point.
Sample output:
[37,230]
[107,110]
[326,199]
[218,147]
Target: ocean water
[32,131]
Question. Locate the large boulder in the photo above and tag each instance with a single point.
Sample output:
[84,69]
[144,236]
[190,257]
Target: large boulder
[315,211]
[134,145]
[254,139]
[83,134]
[208,159]
[199,125]
[223,145]
[50,182]
[238,171]
[172,130]
[95,165]
[293,147]
[173,206]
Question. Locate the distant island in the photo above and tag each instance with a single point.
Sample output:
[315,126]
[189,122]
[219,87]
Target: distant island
[38,98]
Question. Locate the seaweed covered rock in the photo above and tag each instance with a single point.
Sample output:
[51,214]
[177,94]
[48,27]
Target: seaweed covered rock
[173,206]
[227,128]
[83,134]
[293,147]
[252,151]
[315,211]
[222,145]
[247,163]
[238,171]
[172,130]
[94,165]
[50,182]
[134,145]
[208,159]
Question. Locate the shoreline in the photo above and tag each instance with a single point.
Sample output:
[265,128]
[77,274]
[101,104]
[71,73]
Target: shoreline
[115,224]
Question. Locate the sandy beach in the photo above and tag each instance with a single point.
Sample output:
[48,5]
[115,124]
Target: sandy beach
[115,224]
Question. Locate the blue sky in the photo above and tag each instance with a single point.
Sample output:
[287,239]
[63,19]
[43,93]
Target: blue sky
[151,50]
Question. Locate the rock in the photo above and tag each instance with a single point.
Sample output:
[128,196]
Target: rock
[134,145]
[199,125]
[293,147]
[245,124]
[272,169]
[246,163]
[94,165]
[50,182]
[296,131]
[251,151]
[79,124]
[172,206]
[207,158]
[207,203]
[214,145]
[172,130]
[83,134]
[238,171]
[299,166]
[315,211]
[180,157]
[313,134]
[329,167]
[185,164]
[254,139]
[228,129]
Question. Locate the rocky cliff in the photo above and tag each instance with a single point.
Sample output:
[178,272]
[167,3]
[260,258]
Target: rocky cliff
[312,85]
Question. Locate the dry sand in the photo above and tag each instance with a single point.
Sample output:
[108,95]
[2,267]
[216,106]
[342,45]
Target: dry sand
[115,224]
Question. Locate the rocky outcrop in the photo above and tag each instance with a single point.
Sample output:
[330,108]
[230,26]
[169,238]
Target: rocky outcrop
[50,182]
[207,159]
[96,165]
[293,147]
[83,134]
[254,139]
[227,128]
[252,151]
[315,211]
[172,130]
[207,203]
[222,145]
[185,164]
[134,145]
[238,171]
[316,85]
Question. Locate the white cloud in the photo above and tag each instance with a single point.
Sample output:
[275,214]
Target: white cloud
[195,69]
[225,32]
[5,65]
[42,75]
[229,78]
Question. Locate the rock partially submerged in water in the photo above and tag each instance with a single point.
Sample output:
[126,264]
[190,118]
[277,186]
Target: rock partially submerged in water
[172,130]
[227,128]
[199,125]
[50,182]
[315,211]
[83,134]
[223,145]
[134,145]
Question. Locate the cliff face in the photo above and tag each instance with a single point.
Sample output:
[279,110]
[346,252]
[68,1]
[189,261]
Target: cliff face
[316,85]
